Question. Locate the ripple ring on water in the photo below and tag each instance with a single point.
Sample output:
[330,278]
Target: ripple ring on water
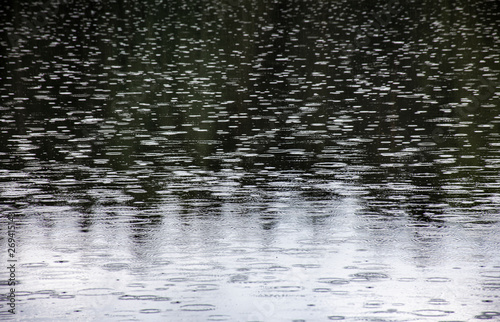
[197,307]
[203,287]
[177,279]
[287,288]
[438,279]
[149,311]
[321,290]
[371,275]
[51,292]
[333,280]
[64,296]
[115,266]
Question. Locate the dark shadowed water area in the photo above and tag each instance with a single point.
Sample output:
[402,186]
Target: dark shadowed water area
[250,160]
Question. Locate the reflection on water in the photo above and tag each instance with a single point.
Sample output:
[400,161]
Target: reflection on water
[252,161]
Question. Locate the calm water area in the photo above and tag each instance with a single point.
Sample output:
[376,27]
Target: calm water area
[250,160]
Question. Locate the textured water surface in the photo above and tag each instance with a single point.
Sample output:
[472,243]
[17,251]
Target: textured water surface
[252,160]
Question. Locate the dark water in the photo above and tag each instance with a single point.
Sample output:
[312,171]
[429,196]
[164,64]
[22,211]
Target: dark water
[251,160]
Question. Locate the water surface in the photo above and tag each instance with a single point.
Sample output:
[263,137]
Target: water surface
[251,160]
